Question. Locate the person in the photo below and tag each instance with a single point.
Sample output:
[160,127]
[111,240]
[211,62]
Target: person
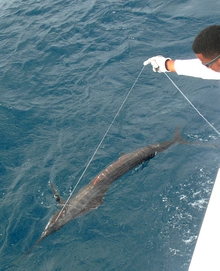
[206,47]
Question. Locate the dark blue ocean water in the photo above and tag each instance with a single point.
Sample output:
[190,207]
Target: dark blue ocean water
[65,69]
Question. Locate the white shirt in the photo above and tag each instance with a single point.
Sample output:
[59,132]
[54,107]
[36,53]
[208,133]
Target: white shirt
[195,68]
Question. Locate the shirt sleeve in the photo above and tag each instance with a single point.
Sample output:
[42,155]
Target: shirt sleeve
[194,68]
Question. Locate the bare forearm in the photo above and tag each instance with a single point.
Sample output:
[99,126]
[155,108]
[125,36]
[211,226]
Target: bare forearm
[169,64]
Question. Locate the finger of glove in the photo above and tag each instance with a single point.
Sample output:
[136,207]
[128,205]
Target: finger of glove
[148,61]
[156,67]
[155,64]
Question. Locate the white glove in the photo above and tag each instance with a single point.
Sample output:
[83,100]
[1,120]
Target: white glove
[158,63]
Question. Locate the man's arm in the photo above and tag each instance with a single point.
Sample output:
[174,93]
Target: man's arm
[169,64]
[190,67]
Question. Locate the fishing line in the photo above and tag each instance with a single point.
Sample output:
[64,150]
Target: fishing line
[100,143]
[192,104]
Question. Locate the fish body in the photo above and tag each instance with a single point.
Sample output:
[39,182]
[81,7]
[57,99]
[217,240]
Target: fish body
[91,196]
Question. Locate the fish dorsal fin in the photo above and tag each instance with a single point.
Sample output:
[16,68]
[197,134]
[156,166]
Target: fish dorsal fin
[97,202]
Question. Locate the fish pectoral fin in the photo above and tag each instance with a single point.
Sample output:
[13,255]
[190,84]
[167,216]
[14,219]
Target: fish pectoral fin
[56,195]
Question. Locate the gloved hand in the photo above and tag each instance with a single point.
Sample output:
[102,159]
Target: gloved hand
[158,63]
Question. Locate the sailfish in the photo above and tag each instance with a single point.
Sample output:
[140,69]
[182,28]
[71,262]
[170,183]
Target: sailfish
[91,196]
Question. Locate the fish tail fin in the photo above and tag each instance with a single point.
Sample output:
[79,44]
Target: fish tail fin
[178,137]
